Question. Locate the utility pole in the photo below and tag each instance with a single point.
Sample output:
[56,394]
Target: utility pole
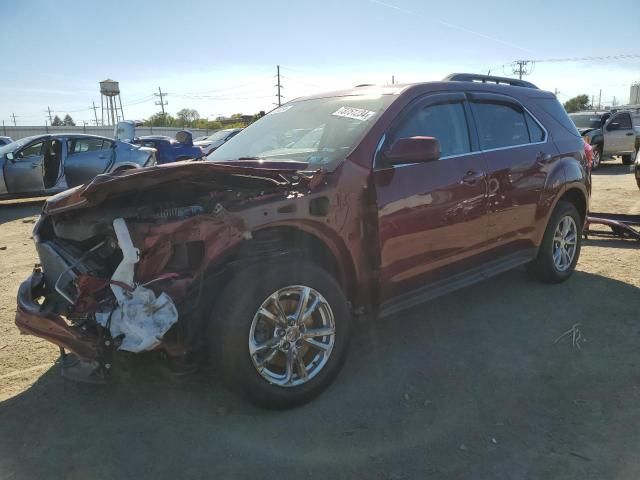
[4,129]
[614,102]
[592,100]
[520,67]
[50,119]
[13,115]
[279,86]
[95,112]
[393,79]
[162,103]
[556,92]
[600,100]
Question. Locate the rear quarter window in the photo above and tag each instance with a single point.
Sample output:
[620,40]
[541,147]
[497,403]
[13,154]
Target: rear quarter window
[553,107]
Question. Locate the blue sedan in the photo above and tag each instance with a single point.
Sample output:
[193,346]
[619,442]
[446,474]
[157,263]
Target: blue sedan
[171,149]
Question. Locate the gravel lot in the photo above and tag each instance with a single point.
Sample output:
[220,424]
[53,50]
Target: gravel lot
[472,385]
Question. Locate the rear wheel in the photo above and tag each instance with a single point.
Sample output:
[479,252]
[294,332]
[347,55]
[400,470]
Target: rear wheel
[280,332]
[560,248]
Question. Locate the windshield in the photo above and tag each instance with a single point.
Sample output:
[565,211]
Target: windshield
[13,146]
[586,121]
[320,131]
[219,135]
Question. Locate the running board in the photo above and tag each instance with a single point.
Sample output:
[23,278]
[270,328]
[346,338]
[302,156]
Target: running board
[464,279]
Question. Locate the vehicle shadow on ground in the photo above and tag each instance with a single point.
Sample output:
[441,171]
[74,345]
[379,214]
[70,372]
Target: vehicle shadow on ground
[477,384]
[610,168]
[10,211]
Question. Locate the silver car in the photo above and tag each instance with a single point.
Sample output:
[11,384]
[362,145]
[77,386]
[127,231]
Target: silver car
[46,164]
[213,141]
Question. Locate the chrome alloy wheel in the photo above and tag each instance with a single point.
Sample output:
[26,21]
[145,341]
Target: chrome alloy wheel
[565,241]
[291,336]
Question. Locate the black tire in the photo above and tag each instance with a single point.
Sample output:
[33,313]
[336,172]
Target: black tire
[230,327]
[627,159]
[543,267]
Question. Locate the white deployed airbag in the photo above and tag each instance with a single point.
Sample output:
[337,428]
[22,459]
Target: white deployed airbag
[140,316]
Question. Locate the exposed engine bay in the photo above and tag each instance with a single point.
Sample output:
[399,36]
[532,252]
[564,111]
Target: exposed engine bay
[129,272]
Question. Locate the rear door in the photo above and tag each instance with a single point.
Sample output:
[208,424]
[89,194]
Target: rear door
[518,158]
[24,173]
[432,217]
[86,158]
[619,134]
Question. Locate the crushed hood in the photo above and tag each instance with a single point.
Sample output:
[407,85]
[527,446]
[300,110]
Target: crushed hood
[264,172]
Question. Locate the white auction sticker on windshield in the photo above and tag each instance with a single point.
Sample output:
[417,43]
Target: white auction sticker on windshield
[355,113]
[281,109]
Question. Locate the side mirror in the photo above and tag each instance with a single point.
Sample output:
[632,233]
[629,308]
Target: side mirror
[10,156]
[413,150]
[613,126]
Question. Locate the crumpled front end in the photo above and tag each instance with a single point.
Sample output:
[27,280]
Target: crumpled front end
[127,272]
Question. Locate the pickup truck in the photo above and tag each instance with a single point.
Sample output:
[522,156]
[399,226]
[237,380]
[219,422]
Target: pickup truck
[610,135]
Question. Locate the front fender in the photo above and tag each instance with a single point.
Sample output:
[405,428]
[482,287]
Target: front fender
[596,136]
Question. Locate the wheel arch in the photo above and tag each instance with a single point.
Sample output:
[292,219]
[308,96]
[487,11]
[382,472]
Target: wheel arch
[276,242]
[123,166]
[577,197]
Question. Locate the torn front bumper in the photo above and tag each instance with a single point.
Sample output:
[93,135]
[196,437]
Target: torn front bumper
[32,319]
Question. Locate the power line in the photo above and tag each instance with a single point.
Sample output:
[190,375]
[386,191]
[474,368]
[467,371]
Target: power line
[589,59]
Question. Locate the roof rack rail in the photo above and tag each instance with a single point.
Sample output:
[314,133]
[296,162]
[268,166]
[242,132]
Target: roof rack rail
[475,77]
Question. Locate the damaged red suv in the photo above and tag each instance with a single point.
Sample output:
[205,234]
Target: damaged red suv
[366,201]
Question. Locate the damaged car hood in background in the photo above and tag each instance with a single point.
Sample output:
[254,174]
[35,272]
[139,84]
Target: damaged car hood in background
[266,172]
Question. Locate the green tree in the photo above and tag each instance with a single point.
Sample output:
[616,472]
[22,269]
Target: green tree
[160,120]
[577,104]
[68,121]
[187,116]
[56,122]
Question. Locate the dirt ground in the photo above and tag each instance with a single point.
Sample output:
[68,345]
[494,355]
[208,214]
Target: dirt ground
[472,385]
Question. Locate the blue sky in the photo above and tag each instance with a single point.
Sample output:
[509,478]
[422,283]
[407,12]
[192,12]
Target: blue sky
[220,56]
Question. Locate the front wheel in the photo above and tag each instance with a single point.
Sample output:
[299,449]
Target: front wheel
[280,332]
[558,254]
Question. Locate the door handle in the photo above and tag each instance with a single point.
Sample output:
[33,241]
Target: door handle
[101,156]
[543,158]
[472,177]
[35,165]
[629,134]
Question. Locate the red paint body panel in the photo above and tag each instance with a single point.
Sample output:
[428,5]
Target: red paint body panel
[390,230]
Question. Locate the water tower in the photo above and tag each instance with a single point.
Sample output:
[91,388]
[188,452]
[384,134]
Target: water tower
[109,93]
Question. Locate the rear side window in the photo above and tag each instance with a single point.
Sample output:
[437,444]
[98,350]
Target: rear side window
[536,133]
[500,125]
[89,145]
[553,107]
[447,122]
